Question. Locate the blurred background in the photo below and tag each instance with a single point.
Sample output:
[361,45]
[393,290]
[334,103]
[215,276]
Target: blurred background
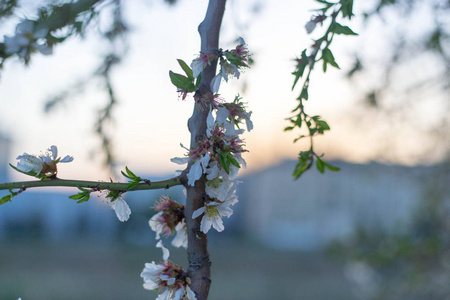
[378,229]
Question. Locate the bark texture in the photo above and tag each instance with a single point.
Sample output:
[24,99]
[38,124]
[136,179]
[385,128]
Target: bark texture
[198,256]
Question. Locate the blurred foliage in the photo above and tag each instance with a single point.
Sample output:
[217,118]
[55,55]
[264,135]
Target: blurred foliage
[61,20]
[425,49]
[413,264]
[320,51]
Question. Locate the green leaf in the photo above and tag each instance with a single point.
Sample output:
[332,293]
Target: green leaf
[125,175]
[76,196]
[303,94]
[330,167]
[233,160]
[83,196]
[320,165]
[234,60]
[289,128]
[224,162]
[132,185]
[305,161]
[298,122]
[186,69]
[84,199]
[182,82]
[347,8]
[26,173]
[322,126]
[328,57]
[6,198]
[130,173]
[340,29]
[197,82]
[299,138]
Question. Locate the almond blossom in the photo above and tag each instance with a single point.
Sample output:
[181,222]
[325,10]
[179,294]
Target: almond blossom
[43,165]
[231,62]
[201,62]
[169,220]
[213,213]
[169,280]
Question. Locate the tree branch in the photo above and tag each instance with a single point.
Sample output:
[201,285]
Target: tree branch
[164,184]
[198,256]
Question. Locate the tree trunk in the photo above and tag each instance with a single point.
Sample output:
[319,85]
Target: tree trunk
[198,256]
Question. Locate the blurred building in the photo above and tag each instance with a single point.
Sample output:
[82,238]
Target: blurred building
[319,208]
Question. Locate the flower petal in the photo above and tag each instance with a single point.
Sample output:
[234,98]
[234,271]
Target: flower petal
[180,160]
[205,224]
[54,151]
[217,223]
[122,209]
[190,294]
[181,238]
[66,159]
[165,251]
[198,212]
[222,115]
[215,83]
[195,173]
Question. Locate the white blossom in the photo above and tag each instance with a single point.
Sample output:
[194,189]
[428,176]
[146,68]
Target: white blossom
[122,209]
[167,279]
[198,64]
[33,163]
[155,225]
[30,163]
[197,169]
[213,170]
[181,238]
[212,216]
[215,83]
[230,132]
[151,274]
[165,251]
[222,115]
[229,69]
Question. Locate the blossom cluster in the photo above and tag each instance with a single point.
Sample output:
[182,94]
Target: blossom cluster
[218,155]
[168,279]
[169,220]
[231,64]
[42,166]
[27,39]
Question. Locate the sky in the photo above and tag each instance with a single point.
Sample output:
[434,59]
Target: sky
[150,121]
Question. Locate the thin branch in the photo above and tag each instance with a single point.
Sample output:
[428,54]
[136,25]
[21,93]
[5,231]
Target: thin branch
[97,185]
